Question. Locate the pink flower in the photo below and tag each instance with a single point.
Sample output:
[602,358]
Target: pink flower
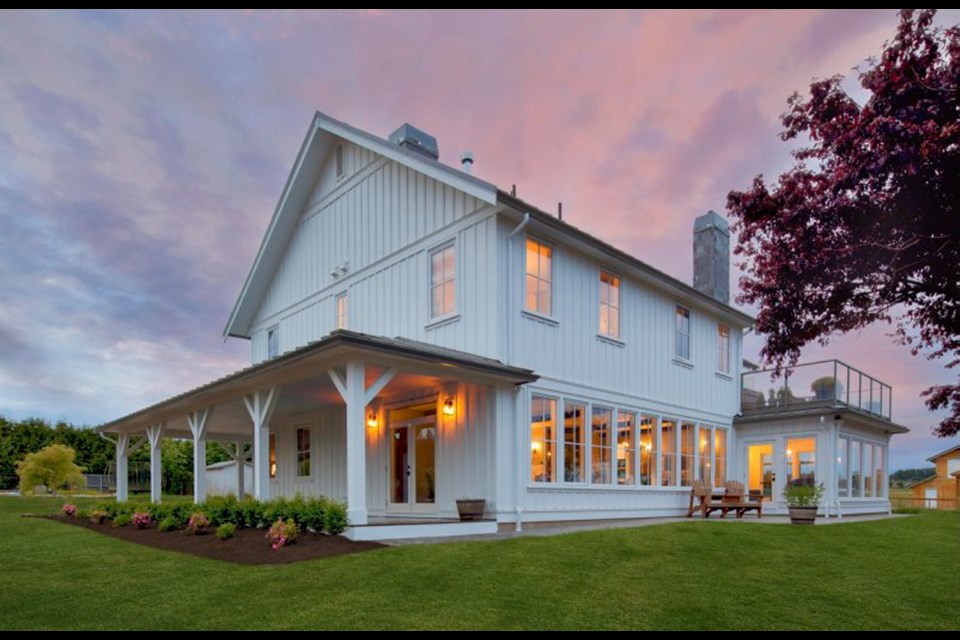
[69,510]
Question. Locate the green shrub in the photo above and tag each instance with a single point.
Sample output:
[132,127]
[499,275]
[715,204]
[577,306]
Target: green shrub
[82,514]
[311,514]
[282,533]
[122,520]
[169,524]
[98,516]
[335,518]
[198,523]
[226,531]
[224,510]
[277,509]
[250,514]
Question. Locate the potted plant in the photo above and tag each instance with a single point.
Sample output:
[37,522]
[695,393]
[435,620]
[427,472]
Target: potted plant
[471,508]
[826,388]
[802,501]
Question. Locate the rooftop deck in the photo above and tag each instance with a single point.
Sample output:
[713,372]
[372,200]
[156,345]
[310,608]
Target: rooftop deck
[826,384]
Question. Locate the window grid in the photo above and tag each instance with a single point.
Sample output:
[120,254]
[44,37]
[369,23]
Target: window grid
[443,282]
[303,453]
[539,278]
[682,348]
[723,349]
[609,305]
[343,310]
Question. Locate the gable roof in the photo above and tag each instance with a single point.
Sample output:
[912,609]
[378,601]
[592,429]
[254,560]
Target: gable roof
[318,142]
[920,482]
[943,453]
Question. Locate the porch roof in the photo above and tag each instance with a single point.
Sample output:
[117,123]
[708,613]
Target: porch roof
[312,361]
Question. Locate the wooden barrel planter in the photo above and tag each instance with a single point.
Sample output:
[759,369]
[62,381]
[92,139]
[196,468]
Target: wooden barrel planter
[803,515]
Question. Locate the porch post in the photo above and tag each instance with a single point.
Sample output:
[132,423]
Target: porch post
[241,459]
[356,444]
[260,405]
[154,436]
[198,421]
[123,446]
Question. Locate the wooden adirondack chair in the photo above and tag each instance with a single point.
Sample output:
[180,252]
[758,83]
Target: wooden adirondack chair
[737,500]
[701,499]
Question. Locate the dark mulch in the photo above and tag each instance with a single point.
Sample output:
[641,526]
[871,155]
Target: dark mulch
[248,546]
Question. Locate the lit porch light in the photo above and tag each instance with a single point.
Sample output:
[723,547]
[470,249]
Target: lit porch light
[449,408]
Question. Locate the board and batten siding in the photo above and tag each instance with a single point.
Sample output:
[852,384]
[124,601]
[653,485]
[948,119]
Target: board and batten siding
[374,211]
[567,349]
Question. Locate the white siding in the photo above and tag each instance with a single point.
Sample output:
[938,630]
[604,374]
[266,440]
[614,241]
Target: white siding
[327,455]
[641,365]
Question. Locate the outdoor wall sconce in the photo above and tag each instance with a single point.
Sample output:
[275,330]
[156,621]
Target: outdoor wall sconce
[449,408]
[372,420]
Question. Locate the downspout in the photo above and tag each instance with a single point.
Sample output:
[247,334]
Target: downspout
[523,223]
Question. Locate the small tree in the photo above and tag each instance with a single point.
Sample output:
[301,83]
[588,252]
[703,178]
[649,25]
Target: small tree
[52,467]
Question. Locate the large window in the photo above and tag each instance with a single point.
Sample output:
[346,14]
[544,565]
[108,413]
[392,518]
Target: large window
[626,447]
[880,455]
[682,348]
[539,281]
[668,456]
[343,310]
[686,454]
[801,460]
[273,341]
[856,481]
[303,452]
[543,439]
[867,470]
[273,455]
[720,455]
[843,469]
[723,349]
[705,452]
[601,446]
[443,267]
[609,305]
[648,450]
[574,441]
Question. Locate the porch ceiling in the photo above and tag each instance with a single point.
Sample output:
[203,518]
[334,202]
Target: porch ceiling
[303,383]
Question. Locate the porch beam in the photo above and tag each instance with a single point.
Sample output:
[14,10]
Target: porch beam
[123,445]
[338,382]
[199,422]
[378,386]
[356,401]
[260,405]
[155,437]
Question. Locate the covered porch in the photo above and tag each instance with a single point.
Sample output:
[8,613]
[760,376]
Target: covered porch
[396,429]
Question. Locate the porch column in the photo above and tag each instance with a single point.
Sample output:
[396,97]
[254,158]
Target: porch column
[154,436]
[260,405]
[241,458]
[123,449]
[356,444]
[199,421]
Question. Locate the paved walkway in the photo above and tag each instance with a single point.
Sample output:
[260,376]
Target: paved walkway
[542,529]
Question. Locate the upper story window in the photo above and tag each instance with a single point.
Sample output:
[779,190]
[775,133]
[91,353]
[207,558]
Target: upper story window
[339,160]
[723,349]
[443,268]
[609,305]
[682,348]
[539,281]
[273,341]
[343,310]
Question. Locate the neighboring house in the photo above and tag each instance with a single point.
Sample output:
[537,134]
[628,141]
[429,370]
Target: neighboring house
[940,491]
[223,478]
[419,335]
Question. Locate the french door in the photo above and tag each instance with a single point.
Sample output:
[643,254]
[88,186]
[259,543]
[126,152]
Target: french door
[413,474]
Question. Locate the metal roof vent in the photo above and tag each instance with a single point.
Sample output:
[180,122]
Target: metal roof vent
[409,137]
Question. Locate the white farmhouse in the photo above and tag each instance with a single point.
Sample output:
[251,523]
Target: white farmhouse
[420,336]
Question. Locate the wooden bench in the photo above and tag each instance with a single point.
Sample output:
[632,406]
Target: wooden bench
[737,499]
[702,500]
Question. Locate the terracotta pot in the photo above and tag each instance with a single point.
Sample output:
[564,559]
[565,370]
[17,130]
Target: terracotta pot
[471,509]
[803,515]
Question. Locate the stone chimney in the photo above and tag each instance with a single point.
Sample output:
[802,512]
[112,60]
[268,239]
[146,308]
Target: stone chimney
[711,256]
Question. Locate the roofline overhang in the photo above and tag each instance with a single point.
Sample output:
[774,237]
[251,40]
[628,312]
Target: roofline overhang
[662,281]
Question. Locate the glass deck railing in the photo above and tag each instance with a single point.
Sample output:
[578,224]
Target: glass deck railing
[829,382]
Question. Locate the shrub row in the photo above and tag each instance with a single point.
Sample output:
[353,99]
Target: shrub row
[310,514]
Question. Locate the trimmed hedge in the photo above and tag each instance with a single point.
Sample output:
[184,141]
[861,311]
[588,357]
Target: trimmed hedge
[319,515]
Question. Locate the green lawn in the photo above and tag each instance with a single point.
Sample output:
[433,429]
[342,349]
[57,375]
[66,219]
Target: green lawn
[893,574]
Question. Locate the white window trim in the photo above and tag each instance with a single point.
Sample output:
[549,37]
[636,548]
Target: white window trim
[720,372]
[585,444]
[345,295]
[861,440]
[450,243]
[275,330]
[618,338]
[688,361]
[558,400]
[341,170]
[536,313]
[296,452]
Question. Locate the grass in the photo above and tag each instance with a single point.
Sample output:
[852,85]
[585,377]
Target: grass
[889,574]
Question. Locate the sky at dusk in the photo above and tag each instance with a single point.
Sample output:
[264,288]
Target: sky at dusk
[142,155]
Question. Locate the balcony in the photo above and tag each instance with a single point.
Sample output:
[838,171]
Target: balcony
[827,384]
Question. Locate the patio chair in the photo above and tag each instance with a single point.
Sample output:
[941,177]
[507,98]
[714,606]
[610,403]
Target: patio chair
[702,500]
[737,499]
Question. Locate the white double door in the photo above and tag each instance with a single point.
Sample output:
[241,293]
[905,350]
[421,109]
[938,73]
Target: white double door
[413,471]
